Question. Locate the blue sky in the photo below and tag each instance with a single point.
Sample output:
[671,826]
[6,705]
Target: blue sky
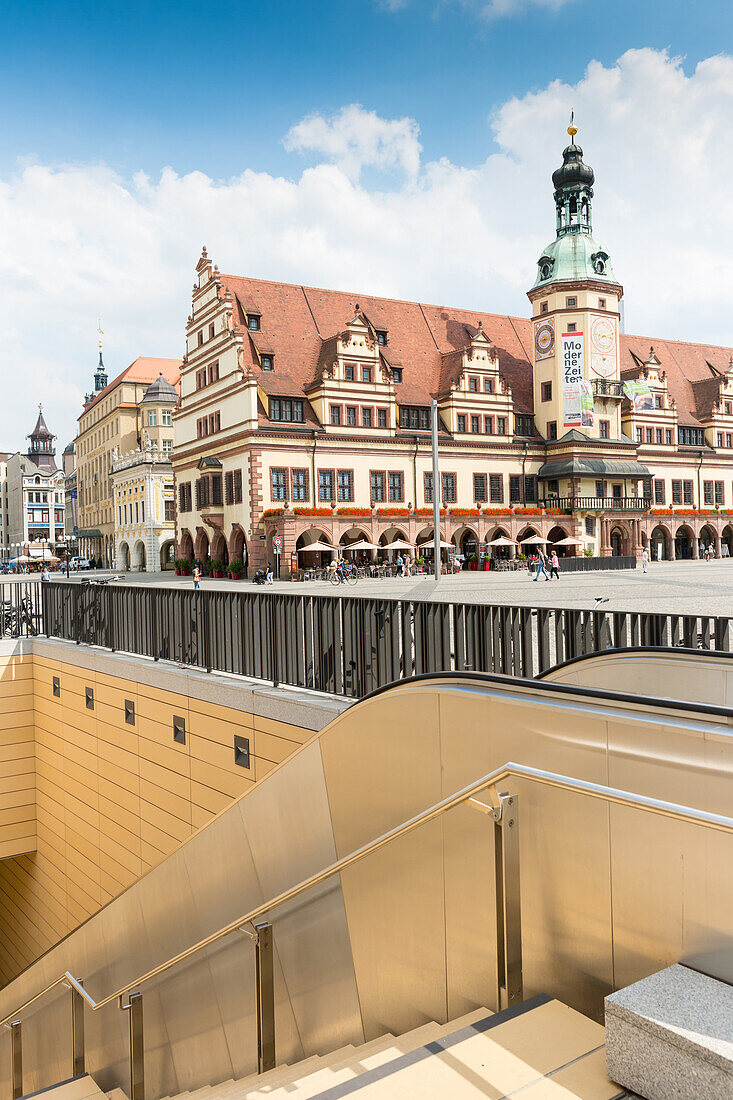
[396,147]
[138,85]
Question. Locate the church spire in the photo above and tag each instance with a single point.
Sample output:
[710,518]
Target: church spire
[573,182]
[100,375]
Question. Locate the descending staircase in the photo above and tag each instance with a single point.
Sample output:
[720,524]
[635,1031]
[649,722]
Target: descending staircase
[540,1050]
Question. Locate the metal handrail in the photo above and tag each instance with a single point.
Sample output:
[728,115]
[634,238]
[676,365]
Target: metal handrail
[510,770]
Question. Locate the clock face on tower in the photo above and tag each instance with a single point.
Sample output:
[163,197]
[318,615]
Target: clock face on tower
[603,347]
[544,340]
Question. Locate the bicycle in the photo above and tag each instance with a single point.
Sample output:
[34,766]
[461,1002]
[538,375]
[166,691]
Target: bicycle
[342,576]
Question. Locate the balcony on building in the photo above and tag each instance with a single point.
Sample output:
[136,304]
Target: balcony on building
[597,504]
[603,387]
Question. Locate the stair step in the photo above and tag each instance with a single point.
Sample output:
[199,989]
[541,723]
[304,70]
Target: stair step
[495,1057]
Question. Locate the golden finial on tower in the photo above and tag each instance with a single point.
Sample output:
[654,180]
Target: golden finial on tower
[100,334]
[572,130]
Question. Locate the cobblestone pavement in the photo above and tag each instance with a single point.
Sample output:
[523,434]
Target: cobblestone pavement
[690,587]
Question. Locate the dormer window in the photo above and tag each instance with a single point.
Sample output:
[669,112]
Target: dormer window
[267,362]
[349,373]
[473,385]
[397,375]
[366,374]
[488,385]
[381,338]
[253,322]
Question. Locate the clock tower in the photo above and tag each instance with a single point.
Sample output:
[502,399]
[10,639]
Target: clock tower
[575,316]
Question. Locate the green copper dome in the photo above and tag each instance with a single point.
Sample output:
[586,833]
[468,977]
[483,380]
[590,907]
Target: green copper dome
[574,256]
[575,253]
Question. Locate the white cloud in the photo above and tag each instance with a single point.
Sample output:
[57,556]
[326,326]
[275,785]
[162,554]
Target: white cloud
[354,139]
[79,242]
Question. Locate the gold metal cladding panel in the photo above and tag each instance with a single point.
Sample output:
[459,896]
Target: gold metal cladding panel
[701,678]
[311,940]
[382,766]
[671,881]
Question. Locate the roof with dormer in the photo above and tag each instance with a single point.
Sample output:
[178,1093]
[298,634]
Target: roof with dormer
[685,366]
[301,325]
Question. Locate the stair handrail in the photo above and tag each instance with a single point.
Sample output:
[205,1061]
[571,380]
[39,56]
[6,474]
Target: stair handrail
[612,795]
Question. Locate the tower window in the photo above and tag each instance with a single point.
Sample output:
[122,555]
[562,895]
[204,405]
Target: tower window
[601,303]
[571,303]
[604,427]
[547,391]
[571,328]
[543,307]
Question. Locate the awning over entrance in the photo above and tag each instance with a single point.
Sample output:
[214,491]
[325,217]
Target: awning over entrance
[592,467]
[88,533]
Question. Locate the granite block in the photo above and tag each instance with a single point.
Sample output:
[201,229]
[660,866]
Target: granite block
[670,1036]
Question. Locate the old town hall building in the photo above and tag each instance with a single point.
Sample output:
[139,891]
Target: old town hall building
[304,414]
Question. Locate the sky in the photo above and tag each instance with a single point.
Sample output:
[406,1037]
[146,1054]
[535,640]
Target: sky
[394,147]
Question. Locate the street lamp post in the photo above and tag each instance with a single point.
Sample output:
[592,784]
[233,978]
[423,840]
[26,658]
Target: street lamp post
[436,491]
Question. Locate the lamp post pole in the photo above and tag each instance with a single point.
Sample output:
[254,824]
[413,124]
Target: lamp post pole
[436,490]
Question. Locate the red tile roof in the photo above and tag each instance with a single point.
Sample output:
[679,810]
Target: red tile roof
[300,323]
[143,369]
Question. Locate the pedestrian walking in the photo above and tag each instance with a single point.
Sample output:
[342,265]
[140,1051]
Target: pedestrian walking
[644,559]
[270,576]
[196,577]
[554,565]
[541,565]
[45,575]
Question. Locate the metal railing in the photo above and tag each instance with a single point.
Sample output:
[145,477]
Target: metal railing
[350,646]
[20,609]
[503,812]
[598,504]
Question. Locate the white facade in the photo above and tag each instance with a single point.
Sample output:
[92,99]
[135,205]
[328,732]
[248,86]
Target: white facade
[142,487]
[33,509]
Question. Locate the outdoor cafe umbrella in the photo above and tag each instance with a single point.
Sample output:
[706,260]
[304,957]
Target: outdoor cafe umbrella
[431,545]
[533,540]
[363,545]
[317,546]
[397,546]
[568,541]
[501,541]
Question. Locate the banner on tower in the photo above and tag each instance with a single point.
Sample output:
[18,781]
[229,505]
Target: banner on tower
[573,369]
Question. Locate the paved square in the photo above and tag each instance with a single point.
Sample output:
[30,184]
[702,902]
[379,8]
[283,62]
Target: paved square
[685,587]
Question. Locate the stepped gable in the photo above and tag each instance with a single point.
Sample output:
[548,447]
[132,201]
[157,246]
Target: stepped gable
[299,325]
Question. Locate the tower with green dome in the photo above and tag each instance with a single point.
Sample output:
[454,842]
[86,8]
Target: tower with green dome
[575,313]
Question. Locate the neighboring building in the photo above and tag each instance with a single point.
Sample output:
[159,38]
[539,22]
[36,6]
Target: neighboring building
[142,487]
[71,518]
[34,494]
[305,414]
[4,456]
[113,417]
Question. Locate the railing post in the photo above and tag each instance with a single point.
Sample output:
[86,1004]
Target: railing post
[265,997]
[16,1041]
[78,1060]
[134,1007]
[510,989]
